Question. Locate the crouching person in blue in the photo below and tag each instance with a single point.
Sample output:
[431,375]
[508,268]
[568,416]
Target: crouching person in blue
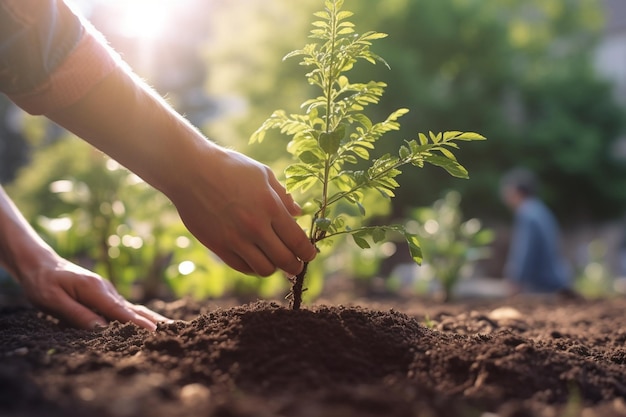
[535,264]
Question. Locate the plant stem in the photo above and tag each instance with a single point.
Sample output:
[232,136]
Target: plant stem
[328,91]
[297,288]
[370,180]
[298,283]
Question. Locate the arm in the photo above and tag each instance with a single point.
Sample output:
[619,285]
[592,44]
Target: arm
[232,204]
[58,286]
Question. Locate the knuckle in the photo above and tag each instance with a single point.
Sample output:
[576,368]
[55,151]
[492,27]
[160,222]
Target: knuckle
[250,222]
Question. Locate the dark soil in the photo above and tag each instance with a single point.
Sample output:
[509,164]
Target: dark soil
[524,358]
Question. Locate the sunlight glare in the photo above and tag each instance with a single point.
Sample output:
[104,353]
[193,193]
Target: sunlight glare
[144,18]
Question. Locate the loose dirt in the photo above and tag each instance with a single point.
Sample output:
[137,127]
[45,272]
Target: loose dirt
[527,357]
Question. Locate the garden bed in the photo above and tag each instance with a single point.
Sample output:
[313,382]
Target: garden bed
[543,357]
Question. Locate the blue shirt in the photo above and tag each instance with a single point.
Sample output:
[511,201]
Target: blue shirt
[535,263]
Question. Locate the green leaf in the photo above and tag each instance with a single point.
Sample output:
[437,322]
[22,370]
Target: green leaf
[414,247]
[361,242]
[451,135]
[435,138]
[378,234]
[330,142]
[454,168]
[350,159]
[304,183]
[294,53]
[385,192]
[363,119]
[361,152]
[339,223]
[323,15]
[309,157]
[404,152]
[344,15]
[301,170]
[447,154]
[467,136]
[370,36]
[343,82]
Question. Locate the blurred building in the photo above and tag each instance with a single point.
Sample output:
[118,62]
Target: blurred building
[611,53]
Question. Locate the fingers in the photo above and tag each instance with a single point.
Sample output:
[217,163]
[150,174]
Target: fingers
[93,292]
[249,218]
[282,244]
[75,313]
[113,309]
[290,233]
[234,261]
[147,313]
[292,207]
[275,242]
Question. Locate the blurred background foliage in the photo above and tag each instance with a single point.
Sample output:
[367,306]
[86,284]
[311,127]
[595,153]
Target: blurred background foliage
[452,244]
[520,72]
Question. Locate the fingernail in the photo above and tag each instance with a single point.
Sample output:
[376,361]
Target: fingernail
[97,325]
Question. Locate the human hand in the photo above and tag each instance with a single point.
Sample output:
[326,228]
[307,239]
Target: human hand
[231,203]
[237,208]
[81,297]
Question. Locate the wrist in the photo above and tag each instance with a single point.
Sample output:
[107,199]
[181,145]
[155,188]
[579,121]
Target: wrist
[196,165]
[22,251]
[28,257]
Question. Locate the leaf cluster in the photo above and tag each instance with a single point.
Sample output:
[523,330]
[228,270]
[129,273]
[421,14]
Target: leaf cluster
[332,134]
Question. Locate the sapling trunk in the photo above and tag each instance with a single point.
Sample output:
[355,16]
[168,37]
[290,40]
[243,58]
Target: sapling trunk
[297,288]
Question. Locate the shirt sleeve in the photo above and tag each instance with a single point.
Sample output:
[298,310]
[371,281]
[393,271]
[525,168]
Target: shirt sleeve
[49,57]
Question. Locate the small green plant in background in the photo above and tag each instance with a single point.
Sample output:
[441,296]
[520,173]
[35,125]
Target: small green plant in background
[594,279]
[450,244]
[332,134]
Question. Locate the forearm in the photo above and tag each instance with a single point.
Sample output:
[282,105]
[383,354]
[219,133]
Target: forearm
[22,251]
[128,121]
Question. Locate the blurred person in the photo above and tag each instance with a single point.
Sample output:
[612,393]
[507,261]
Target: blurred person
[534,263]
[55,64]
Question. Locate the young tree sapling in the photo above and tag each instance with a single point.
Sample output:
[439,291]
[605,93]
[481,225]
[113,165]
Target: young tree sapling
[332,133]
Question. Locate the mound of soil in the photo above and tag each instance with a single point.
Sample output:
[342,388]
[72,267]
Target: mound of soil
[528,358]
